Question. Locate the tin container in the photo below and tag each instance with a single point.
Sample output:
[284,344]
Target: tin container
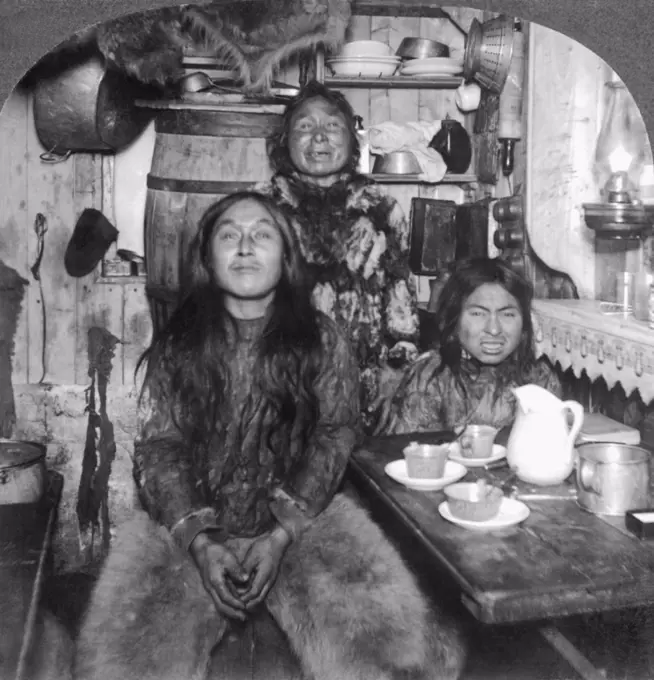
[612,478]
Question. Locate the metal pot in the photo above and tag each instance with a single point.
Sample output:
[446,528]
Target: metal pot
[22,471]
[612,478]
[89,108]
[396,163]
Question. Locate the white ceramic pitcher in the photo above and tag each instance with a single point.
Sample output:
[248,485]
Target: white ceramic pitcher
[541,445]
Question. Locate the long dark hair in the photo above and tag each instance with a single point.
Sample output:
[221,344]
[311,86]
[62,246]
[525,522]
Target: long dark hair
[466,276]
[188,357]
[277,144]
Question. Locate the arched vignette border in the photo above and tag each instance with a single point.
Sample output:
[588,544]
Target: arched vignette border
[620,32]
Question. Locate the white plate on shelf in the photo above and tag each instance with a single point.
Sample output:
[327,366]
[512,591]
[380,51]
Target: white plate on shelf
[355,60]
[363,67]
[435,62]
[499,452]
[426,67]
[397,471]
[511,512]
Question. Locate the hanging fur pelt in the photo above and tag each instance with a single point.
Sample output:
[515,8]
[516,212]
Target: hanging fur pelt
[252,37]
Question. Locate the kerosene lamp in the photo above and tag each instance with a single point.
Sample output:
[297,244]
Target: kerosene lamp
[620,220]
[617,169]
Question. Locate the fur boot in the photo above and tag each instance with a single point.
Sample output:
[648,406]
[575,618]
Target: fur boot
[150,617]
[352,609]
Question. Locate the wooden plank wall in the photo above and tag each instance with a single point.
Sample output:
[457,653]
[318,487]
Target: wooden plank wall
[377,105]
[60,192]
[565,109]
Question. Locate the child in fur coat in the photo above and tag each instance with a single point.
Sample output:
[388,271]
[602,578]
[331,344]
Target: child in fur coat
[248,417]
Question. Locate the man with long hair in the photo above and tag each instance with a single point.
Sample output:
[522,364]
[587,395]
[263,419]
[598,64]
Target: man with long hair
[485,346]
[249,414]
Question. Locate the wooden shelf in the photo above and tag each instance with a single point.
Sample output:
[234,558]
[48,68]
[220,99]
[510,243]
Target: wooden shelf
[397,8]
[580,335]
[413,179]
[396,82]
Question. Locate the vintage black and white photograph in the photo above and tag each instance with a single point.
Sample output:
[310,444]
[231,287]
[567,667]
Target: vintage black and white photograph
[327,349]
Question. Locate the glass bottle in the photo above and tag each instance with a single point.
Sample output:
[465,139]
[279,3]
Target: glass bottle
[643,281]
[364,146]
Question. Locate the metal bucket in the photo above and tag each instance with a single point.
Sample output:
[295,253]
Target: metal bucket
[612,478]
[22,471]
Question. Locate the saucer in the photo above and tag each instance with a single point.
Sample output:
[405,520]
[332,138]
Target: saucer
[511,512]
[397,471]
[499,452]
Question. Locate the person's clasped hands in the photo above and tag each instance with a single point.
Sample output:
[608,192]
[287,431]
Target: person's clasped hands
[239,587]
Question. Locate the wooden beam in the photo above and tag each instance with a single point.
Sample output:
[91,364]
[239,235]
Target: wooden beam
[397,8]
[570,653]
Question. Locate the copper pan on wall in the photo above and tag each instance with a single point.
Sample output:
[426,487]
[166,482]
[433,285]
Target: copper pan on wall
[87,107]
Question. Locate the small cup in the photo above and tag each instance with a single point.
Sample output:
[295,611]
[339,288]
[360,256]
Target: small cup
[477,441]
[467,97]
[475,502]
[426,461]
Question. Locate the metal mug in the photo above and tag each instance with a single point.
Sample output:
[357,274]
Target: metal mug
[612,478]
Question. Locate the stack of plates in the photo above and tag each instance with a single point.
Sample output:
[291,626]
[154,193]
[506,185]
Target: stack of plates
[432,66]
[363,66]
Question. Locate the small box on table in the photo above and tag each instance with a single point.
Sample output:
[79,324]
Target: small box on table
[640,523]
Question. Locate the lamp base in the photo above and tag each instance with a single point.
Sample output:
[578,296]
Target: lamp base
[619,220]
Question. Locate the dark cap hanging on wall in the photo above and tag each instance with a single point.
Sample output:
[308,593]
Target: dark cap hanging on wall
[92,236]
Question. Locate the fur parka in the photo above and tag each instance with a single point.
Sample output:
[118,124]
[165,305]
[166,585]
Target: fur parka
[349,606]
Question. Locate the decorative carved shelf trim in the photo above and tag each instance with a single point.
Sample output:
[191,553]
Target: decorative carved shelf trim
[578,335]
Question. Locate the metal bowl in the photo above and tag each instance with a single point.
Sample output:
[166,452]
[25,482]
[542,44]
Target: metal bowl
[396,163]
[421,48]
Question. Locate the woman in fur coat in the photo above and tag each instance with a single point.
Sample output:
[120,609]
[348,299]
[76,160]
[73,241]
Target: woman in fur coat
[353,235]
[249,414]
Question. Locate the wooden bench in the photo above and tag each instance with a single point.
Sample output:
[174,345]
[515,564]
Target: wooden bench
[32,644]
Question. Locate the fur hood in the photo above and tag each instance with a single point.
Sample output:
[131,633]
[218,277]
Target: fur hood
[252,37]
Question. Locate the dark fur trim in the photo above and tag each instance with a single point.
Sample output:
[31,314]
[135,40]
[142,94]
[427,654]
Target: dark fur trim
[252,37]
[148,46]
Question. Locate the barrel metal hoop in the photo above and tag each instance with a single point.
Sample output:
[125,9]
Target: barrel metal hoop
[190,123]
[195,186]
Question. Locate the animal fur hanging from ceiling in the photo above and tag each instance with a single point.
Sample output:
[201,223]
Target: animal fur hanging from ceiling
[254,38]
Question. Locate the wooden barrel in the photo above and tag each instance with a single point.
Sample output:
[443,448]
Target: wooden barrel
[201,153]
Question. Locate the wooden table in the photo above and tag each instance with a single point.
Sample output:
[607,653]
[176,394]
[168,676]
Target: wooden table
[25,538]
[560,561]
